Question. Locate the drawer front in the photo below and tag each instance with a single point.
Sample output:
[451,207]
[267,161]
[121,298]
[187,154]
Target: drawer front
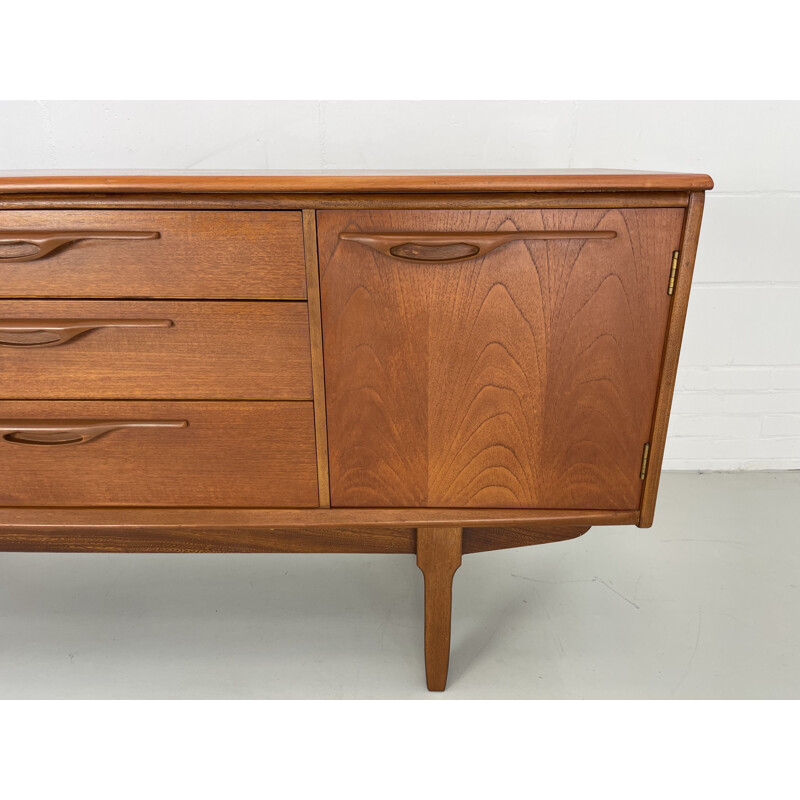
[229,454]
[151,350]
[493,358]
[192,254]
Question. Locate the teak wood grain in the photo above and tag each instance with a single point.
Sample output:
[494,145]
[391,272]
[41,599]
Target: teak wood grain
[212,540]
[182,539]
[481,540]
[438,556]
[197,254]
[207,351]
[317,369]
[310,202]
[525,378]
[672,346]
[574,180]
[185,519]
[229,454]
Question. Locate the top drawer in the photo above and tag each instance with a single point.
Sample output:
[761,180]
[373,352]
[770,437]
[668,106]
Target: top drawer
[191,254]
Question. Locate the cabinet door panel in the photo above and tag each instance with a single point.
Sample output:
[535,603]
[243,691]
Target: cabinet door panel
[493,371]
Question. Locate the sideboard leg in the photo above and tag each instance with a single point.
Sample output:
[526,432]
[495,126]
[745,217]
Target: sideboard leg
[438,556]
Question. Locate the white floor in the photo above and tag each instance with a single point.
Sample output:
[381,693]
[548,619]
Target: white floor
[703,605]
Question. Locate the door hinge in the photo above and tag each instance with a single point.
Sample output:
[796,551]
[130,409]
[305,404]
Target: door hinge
[645,457]
[673,271]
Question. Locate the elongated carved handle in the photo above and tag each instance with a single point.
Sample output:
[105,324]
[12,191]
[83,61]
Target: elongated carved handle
[32,245]
[52,332]
[74,431]
[452,247]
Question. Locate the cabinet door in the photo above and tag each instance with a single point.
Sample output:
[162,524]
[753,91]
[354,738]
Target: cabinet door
[493,358]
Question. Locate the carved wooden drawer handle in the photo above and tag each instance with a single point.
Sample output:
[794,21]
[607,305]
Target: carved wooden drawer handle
[52,332]
[452,247]
[76,431]
[32,245]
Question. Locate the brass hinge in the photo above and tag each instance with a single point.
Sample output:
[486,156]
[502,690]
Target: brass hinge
[645,457]
[673,272]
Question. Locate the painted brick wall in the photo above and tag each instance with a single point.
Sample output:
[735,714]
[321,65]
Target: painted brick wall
[737,404]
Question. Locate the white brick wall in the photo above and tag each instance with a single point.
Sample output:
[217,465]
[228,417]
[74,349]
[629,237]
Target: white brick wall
[737,403]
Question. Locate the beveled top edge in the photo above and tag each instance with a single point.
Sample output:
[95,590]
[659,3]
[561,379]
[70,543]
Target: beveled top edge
[576,180]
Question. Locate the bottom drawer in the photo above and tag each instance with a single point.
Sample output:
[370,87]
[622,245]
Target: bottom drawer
[115,453]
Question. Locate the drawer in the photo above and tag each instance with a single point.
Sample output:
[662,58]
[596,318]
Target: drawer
[193,254]
[493,359]
[152,349]
[83,453]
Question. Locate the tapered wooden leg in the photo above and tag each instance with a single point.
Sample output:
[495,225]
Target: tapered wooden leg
[438,556]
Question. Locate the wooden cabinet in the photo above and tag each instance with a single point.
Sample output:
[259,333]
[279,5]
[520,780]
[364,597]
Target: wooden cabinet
[522,378]
[430,364]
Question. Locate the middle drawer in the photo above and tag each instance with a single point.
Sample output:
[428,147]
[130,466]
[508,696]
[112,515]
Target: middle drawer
[154,350]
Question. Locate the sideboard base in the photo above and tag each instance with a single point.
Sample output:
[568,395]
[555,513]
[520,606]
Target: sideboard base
[438,550]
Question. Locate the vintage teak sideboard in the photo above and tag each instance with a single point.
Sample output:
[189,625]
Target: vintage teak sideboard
[433,364]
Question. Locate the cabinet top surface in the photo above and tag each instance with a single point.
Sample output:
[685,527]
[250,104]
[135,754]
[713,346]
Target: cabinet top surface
[334,181]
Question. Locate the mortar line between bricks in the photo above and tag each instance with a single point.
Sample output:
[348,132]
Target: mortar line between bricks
[757,193]
[737,391]
[742,366]
[731,415]
[748,284]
